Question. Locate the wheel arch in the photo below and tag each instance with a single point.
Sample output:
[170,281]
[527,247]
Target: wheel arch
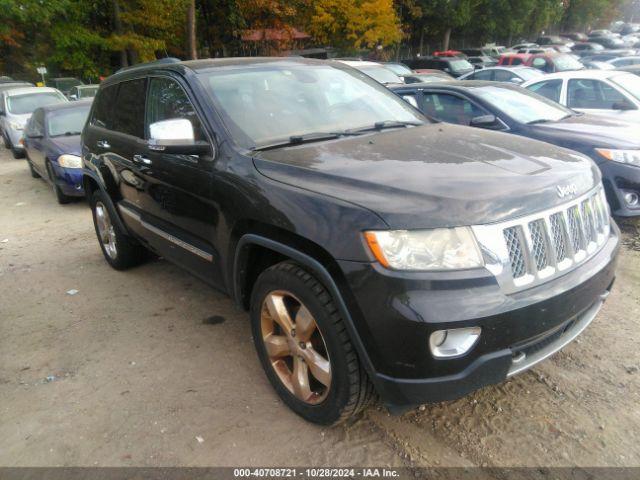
[91,183]
[279,251]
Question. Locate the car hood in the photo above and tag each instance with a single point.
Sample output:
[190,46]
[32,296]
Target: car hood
[66,144]
[21,118]
[435,175]
[612,131]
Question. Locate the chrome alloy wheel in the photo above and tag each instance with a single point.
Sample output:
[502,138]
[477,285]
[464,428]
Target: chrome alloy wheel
[295,347]
[106,231]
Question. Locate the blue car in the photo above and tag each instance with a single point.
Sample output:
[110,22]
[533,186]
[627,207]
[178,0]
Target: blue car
[52,146]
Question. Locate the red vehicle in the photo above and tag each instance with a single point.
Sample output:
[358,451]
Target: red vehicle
[548,62]
[449,53]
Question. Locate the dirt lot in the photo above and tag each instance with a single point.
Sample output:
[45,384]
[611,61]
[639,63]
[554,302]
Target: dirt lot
[152,367]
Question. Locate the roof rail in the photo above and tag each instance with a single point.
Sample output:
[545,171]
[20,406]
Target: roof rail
[161,61]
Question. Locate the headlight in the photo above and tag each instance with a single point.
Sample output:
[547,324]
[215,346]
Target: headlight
[16,125]
[631,157]
[437,249]
[70,161]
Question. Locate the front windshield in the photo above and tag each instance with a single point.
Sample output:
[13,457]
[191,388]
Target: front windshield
[27,103]
[522,105]
[399,69]
[629,82]
[529,73]
[87,92]
[67,121]
[567,62]
[380,74]
[460,65]
[270,103]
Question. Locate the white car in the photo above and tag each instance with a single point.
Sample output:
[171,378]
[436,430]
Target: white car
[600,92]
[16,106]
[375,70]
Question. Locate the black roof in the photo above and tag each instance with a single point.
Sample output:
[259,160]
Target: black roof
[207,64]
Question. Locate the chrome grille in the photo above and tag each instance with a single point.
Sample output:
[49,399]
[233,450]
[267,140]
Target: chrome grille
[558,236]
[527,251]
[539,244]
[516,254]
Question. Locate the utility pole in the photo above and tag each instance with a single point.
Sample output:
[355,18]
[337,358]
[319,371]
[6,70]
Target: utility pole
[191,30]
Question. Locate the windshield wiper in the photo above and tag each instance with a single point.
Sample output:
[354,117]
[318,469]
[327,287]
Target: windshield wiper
[540,120]
[306,138]
[387,124]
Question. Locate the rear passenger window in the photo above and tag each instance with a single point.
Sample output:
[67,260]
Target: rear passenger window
[129,114]
[549,89]
[503,76]
[482,75]
[516,61]
[104,107]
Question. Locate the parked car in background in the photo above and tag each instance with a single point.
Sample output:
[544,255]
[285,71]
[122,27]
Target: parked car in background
[594,65]
[584,49]
[10,86]
[493,51]
[607,55]
[64,84]
[82,92]
[635,69]
[448,53]
[600,33]
[625,61]
[454,66]
[16,106]
[6,79]
[548,62]
[398,68]
[601,92]
[482,61]
[518,74]
[426,76]
[559,48]
[554,40]
[609,42]
[575,36]
[375,70]
[524,45]
[378,254]
[613,144]
[52,147]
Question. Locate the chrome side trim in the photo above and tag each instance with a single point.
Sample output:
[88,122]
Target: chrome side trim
[167,236]
[521,363]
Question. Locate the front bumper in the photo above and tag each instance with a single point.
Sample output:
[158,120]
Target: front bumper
[518,330]
[69,180]
[15,136]
[619,178]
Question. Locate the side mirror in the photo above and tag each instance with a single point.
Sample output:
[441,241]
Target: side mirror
[516,80]
[484,121]
[176,136]
[623,106]
[35,136]
[73,96]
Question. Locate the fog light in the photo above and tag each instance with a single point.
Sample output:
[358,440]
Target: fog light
[453,342]
[631,199]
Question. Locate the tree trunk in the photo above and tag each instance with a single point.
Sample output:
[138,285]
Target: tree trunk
[117,26]
[421,40]
[445,40]
[191,30]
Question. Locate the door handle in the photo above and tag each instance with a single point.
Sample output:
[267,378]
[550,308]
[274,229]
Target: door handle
[142,159]
[103,144]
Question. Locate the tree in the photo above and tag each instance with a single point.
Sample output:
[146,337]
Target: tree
[191,30]
[355,24]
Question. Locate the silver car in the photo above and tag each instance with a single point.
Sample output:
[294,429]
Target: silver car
[16,106]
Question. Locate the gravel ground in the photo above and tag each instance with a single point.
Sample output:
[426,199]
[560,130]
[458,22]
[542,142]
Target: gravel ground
[153,368]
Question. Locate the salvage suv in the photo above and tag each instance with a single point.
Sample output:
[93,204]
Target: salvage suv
[377,252]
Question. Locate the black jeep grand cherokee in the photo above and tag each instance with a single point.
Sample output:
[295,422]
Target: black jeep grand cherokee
[376,251]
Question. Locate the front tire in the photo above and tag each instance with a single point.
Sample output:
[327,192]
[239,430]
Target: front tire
[119,250]
[304,347]
[60,197]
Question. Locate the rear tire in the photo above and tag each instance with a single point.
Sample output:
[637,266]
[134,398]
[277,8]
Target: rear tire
[60,197]
[32,170]
[119,250]
[319,393]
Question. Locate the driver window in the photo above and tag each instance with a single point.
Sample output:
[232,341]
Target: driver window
[166,100]
[450,108]
[593,94]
